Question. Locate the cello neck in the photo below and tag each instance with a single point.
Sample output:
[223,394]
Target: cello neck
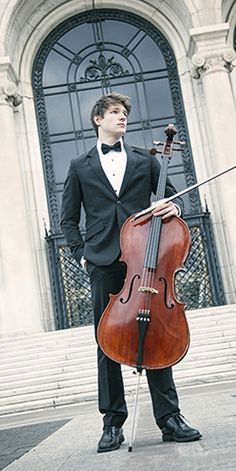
[150,261]
[162,180]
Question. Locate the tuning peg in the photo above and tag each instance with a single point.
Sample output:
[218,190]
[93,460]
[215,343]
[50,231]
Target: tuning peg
[158,143]
[154,151]
[179,143]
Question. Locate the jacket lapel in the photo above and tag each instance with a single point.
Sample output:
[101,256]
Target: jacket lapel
[95,164]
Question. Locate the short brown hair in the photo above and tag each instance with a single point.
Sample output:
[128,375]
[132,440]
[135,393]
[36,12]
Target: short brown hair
[103,104]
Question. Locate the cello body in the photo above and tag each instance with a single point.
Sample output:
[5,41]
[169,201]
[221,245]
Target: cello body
[148,294]
[144,325]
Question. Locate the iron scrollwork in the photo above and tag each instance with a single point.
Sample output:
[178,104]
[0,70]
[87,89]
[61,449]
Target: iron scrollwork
[103,68]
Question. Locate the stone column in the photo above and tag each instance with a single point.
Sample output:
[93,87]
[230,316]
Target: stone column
[212,64]
[19,298]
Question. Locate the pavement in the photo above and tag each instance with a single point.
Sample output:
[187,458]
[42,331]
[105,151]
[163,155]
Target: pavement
[65,439]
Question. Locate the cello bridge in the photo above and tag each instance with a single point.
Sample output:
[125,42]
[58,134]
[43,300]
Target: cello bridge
[147,289]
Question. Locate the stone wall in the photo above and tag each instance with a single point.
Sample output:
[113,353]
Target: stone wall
[201,36]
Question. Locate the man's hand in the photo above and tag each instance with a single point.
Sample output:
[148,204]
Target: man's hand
[165,209]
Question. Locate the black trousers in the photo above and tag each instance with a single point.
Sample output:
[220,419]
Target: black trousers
[111,396]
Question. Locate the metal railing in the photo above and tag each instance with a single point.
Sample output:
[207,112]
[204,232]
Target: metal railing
[198,285]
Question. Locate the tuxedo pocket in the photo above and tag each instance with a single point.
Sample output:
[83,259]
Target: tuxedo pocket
[94,229]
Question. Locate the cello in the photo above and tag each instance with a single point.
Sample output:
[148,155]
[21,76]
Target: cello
[144,325]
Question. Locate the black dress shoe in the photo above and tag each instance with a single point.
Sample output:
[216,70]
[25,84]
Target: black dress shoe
[175,429]
[111,439]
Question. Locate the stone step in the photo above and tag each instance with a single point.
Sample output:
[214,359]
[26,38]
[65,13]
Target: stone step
[60,381]
[70,356]
[70,363]
[55,372]
[75,395]
[202,318]
[84,337]
[45,370]
[82,340]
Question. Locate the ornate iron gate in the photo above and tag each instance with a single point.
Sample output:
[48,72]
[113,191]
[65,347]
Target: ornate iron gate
[90,54]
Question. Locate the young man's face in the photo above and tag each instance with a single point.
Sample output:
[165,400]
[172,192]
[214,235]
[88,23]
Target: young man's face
[113,124]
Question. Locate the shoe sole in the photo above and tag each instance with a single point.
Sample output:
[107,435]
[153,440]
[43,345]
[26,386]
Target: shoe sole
[173,438]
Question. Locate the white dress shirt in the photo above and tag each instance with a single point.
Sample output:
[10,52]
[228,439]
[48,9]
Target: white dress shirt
[114,165]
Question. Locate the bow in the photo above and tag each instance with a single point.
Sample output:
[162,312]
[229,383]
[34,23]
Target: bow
[116,147]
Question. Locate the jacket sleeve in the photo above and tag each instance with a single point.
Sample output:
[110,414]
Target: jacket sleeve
[70,214]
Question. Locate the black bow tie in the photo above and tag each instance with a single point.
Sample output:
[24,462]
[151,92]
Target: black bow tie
[116,147]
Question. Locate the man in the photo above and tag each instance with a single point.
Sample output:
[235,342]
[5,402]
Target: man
[113,181]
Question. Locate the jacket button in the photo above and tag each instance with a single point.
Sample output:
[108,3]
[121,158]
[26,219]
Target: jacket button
[118,202]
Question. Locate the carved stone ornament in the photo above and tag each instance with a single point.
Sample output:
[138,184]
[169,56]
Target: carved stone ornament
[10,94]
[206,63]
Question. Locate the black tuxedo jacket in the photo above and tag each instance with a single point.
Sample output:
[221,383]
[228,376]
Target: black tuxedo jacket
[86,184]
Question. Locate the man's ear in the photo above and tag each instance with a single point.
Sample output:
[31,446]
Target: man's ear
[97,120]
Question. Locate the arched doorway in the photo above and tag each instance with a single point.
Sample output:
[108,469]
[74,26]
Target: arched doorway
[93,53]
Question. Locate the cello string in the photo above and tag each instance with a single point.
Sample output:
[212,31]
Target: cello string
[152,247]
